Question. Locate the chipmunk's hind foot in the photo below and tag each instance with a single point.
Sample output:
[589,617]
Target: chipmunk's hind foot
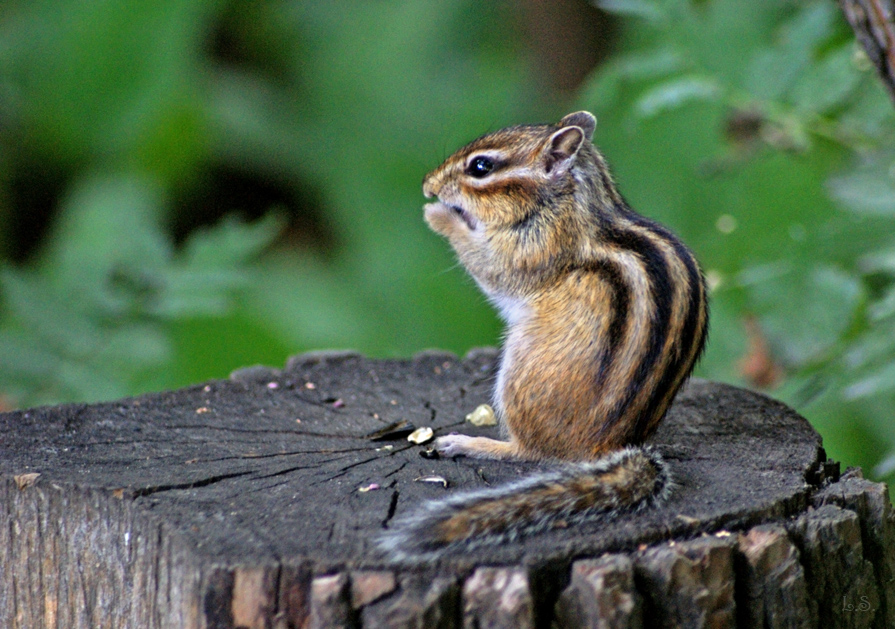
[477,447]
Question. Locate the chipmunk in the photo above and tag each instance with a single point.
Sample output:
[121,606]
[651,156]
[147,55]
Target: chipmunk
[606,315]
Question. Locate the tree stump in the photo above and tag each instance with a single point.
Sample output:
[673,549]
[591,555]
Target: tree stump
[255,502]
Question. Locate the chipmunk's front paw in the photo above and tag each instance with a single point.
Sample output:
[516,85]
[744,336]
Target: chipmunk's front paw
[453,445]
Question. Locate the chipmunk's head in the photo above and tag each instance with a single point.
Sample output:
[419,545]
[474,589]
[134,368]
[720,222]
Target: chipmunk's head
[506,201]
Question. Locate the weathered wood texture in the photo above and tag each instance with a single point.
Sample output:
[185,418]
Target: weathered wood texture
[873,22]
[239,503]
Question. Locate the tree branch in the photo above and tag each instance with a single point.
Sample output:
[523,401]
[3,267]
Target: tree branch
[874,24]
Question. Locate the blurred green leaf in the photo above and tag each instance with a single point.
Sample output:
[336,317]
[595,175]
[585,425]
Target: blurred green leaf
[188,293]
[107,76]
[827,84]
[886,467]
[108,229]
[871,112]
[201,280]
[604,87]
[870,193]
[882,381]
[806,313]
[49,316]
[811,27]
[314,306]
[635,8]
[772,71]
[881,260]
[24,359]
[135,346]
[92,322]
[675,93]
[88,381]
[884,308]
[649,65]
[230,242]
[875,346]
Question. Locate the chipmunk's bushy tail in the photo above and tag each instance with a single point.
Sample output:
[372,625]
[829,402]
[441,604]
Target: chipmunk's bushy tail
[628,479]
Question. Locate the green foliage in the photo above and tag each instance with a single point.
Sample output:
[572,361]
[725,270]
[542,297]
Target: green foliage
[131,107]
[95,315]
[756,130]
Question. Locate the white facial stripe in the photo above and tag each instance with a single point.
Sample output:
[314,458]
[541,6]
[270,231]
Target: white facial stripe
[509,172]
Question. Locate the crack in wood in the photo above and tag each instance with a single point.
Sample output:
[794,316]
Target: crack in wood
[205,482]
[396,470]
[274,455]
[345,470]
[251,431]
[288,470]
[392,507]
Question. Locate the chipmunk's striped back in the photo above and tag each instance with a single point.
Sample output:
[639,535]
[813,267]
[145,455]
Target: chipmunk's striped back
[655,354]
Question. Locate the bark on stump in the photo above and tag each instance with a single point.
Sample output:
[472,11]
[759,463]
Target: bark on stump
[254,502]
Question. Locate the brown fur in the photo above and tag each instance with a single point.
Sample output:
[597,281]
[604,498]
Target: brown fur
[606,315]
[543,218]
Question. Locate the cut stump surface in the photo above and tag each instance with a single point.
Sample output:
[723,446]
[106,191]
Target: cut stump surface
[256,502]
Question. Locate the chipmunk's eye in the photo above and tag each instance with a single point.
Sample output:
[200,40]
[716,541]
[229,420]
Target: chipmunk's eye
[479,167]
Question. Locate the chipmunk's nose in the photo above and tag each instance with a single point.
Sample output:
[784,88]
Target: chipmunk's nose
[431,185]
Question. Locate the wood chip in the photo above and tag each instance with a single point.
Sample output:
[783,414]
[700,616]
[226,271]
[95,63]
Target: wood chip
[483,415]
[432,479]
[23,481]
[421,435]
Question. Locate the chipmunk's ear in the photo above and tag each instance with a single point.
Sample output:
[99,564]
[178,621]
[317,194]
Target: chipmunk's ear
[561,150]
[583,119]
[564,145]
